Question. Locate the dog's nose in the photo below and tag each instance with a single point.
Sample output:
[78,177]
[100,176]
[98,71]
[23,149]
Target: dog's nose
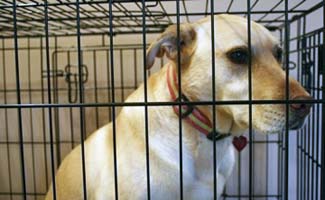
[303,108]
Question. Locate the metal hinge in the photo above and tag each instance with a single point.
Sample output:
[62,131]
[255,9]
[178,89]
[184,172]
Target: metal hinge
[71,77]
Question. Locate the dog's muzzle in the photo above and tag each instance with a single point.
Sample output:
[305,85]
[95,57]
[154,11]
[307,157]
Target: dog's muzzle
[298,112]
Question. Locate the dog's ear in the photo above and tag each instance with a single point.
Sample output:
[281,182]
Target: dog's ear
[167,43]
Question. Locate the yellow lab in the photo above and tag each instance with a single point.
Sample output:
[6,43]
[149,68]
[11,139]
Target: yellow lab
[231,83]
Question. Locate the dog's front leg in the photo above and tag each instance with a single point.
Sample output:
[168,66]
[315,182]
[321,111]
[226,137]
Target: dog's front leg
[204,190]
[202,185]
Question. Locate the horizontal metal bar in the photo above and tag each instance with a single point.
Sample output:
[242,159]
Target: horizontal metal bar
[254,196]
[309,156]
[73,3]
[121,104]
[69,142]
[308,11]
[21,194]
[158,15]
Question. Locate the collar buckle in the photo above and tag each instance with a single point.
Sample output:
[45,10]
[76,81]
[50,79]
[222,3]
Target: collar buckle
[186,110]
[216,136]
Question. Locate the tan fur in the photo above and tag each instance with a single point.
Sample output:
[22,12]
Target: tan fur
[268,81]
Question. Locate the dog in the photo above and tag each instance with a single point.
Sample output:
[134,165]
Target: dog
[231,54]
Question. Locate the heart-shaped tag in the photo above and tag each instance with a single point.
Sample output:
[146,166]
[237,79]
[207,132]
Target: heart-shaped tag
[239,142]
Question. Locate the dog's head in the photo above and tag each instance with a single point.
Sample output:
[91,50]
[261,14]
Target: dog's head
[231,72]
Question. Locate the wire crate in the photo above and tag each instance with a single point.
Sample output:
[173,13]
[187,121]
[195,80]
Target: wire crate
[66,68]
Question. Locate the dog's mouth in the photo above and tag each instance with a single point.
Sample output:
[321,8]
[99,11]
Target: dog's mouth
[295,122]
[273,120]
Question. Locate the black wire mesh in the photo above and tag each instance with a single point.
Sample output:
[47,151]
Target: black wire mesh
[60,93]
[127,16]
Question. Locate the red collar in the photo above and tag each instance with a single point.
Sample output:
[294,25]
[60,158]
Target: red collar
[193,116]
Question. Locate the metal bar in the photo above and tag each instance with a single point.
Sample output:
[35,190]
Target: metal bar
[164,10]
[69,141]
[312,133]
[144,41]
[291,9]
[322,186]
[96,89]
[43,113]
[71,110]
[56,100]
[31,113]
[113,96]
[6,114]
[318,133]
[168,103]
[65,3]
[272,196]
[108,83]
[286,144]
[206,8]
[179,100]
[135,69]
[250,181]
[20,128]
[213,100]
[303,131]
[185,9]
[310,10]
[229,5]
[122,75]
[47,54]
[81,100]
[299,169]
[305,162]
[159,15]
[126,87]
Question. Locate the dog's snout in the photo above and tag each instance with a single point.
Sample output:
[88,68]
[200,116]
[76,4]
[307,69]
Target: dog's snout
[302,108]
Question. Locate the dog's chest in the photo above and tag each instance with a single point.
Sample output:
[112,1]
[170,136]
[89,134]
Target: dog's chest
[198,169]
[224,154]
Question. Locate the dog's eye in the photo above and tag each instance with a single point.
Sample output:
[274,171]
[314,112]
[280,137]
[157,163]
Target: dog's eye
[239,56]
[279,54]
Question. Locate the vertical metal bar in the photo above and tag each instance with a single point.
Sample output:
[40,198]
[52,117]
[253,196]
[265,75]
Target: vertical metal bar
[108,82]
[250,187]
[135,69]
[43,113]
[286,148]
[113,95]
[179,99]
[298,132]
[71,109]
[267,165]
[213,100]
[81,100]
[322,196]
[303,131]
[305,161]
[122,75]
[96,89]
[31,113]
[298,164]
[318,133]
[280,147]
[307,151]
[144,40]
[56,100]
[47,48]
[20,128]
[239,177]
[313,165]
[279,166]
[6,114]
[304,136]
